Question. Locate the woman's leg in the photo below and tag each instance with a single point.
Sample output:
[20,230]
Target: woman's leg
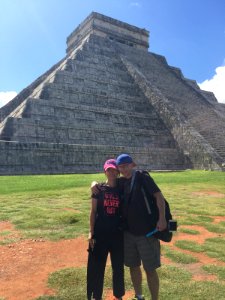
[96,270]
[116,253]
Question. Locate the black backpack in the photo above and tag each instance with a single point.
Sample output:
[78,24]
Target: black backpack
[151,206]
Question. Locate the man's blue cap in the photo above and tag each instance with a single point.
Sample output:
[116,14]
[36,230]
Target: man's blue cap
[124,159]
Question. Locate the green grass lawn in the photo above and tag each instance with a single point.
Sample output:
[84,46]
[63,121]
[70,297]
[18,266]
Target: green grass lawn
[57,207]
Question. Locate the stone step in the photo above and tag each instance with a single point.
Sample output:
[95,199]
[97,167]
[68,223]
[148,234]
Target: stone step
[51,91]
[114,63]
[105,53]
[174,87]
[93,51]
[69,111]
[51,158]
[22,129]
[90,81]
[101,69]
[92,75]
[214,136]
[99,101]
[31,123]
[115,123]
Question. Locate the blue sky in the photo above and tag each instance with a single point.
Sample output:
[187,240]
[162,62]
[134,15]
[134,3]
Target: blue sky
[189,33]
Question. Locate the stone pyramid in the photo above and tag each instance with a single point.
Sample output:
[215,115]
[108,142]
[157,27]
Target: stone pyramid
[110,95]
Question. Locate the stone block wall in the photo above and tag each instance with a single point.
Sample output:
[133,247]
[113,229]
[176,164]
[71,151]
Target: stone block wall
[50,158]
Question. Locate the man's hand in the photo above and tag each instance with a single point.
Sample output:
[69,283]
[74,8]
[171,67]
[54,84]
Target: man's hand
[161,224]
[94,187]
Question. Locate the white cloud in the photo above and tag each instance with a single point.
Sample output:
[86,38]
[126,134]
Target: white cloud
[137,4]
[216,84]
[5,97]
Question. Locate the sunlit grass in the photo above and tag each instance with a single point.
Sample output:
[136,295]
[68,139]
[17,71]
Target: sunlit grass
[176,283]
[189,245]
[215,270]
[57,207]
[178,256]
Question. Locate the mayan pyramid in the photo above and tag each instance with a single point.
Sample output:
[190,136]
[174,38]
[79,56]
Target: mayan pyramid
[111,95]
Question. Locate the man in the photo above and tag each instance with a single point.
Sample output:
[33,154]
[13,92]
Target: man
[137,247]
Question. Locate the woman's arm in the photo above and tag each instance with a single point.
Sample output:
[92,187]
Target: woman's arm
[92,221]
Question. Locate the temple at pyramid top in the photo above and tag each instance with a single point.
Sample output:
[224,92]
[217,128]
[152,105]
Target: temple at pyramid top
[110,28]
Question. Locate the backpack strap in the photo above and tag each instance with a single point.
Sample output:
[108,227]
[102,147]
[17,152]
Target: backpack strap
[146,201]
[132,180]
[144,193]
[132,185]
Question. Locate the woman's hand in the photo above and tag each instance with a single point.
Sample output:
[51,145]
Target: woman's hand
[91,240]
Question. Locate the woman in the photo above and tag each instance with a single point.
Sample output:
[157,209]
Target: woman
[105,236]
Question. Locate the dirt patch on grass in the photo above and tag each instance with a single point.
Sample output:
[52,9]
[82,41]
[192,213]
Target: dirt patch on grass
[209,193]
[198,238]
[219,219]
[25,265]
[8,232]
[198,273]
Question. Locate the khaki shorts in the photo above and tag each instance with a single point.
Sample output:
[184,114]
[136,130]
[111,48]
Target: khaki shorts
[141,249]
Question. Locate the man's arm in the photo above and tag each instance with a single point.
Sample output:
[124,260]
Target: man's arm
[161,224]
[94,187]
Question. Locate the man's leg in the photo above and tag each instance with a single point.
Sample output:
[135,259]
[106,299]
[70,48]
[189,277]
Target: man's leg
[133,261]
[149,249]
[153,284]
[136,278]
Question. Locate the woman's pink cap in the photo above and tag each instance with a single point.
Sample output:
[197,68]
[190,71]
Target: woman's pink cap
[110,163]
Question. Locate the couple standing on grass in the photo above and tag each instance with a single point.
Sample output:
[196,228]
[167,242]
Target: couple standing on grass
[119,222]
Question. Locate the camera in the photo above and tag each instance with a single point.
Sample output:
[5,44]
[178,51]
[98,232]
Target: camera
[172,225]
